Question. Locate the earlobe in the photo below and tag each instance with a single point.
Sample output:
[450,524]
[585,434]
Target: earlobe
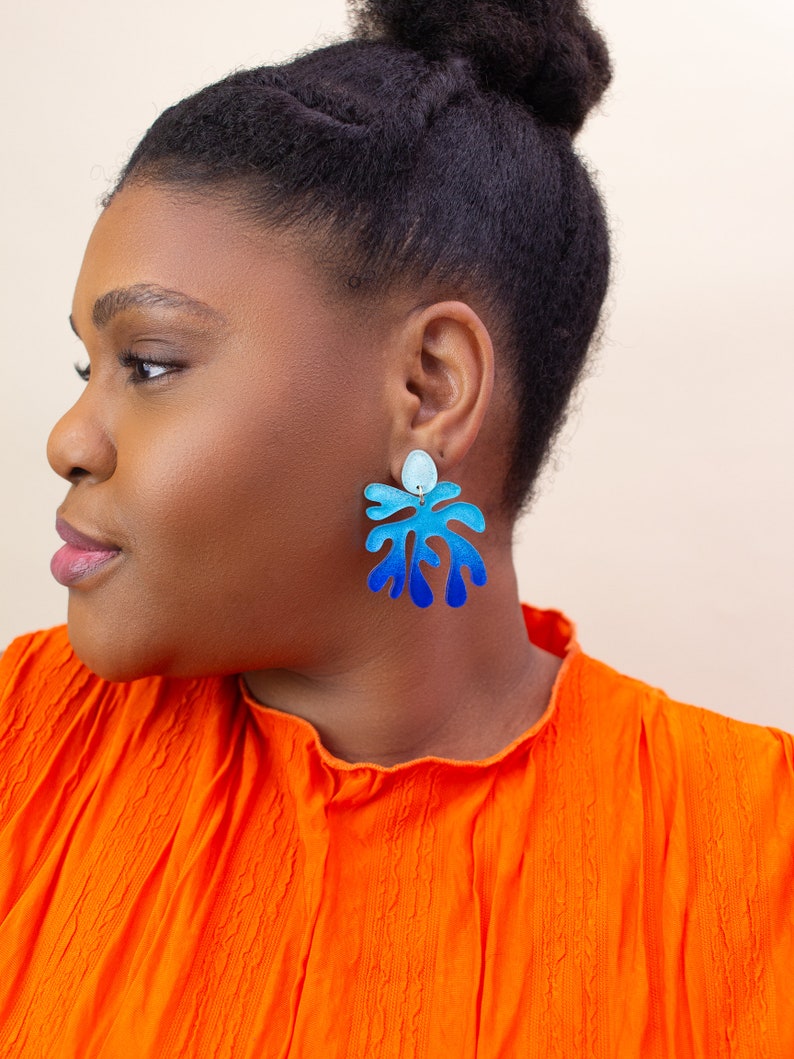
[449,372]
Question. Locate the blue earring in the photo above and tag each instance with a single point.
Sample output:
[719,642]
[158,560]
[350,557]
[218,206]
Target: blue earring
[422,492]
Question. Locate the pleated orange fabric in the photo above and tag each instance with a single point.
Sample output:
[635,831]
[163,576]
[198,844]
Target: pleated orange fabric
[187,873]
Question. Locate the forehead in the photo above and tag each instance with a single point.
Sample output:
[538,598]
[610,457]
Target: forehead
[195,249]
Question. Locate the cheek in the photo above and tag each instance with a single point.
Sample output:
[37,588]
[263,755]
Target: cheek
[241,502]
[253,491]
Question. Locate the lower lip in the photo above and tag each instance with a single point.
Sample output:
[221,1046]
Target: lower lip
[70,564]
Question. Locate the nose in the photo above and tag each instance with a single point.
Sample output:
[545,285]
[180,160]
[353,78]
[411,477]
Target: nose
[80,445]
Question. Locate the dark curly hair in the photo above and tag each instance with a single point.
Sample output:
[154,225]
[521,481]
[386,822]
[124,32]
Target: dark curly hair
[433,147]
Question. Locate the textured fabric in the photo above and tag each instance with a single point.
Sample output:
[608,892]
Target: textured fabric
[187,873]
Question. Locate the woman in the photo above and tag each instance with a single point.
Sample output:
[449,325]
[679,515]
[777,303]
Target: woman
[283,790]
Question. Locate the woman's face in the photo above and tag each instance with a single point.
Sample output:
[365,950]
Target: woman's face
[232,418]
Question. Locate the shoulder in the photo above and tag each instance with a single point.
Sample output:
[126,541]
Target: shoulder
[64,729]
[698,808]
[41,645]
[720,782]
[49,706]
[35,653]
[38,671]
[721,788]
[669,730]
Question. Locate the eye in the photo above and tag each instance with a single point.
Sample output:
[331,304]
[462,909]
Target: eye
[142,370]
[149,369]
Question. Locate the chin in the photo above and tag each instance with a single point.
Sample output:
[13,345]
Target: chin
[114,653]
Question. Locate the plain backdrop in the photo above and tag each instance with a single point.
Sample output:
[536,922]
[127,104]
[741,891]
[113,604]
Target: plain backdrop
[666,522]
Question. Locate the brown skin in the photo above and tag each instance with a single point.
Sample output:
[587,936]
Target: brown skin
[232,480]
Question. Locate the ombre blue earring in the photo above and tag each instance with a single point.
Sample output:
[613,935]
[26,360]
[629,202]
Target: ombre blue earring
[422,493]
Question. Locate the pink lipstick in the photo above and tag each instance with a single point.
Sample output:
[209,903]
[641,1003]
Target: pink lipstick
[80,556]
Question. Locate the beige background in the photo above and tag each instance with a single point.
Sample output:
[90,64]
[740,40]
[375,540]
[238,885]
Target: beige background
[665,529]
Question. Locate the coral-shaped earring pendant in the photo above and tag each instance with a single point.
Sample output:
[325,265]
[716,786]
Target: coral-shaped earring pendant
[423,492]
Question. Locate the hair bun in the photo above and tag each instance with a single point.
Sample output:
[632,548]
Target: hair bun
[545,54]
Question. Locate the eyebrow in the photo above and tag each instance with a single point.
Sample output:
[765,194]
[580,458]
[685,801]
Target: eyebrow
[145,296]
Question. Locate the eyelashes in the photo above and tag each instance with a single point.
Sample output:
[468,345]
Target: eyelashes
[141,369]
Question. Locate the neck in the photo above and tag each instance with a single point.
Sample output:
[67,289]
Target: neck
[459,684]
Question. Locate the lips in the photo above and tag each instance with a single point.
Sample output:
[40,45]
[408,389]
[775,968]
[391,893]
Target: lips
[81,556]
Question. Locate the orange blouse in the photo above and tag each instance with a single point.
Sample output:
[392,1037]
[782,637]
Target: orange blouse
[184,872]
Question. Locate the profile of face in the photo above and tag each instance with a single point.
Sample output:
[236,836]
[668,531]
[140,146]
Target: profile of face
[233,414]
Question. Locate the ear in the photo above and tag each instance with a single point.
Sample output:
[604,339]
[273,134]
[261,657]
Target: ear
[445,385]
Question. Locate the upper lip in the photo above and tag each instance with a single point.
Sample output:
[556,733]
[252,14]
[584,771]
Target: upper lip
[77,539]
